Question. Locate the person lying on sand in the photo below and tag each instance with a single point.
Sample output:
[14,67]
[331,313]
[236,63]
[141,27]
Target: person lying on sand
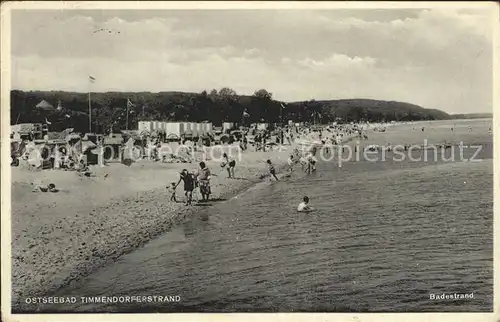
[188,180]
[50,187]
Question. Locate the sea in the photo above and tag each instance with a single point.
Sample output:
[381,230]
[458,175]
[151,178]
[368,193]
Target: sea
[384,237]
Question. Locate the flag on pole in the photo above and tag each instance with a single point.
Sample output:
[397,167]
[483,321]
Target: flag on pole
[91,79]
[283,106]
[47,121]
[129,103]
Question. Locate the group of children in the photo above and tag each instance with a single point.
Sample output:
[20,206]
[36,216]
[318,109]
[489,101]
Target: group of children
[193,180]
[201,179]
[307,162]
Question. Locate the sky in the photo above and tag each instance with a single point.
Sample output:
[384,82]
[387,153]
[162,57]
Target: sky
[433,58]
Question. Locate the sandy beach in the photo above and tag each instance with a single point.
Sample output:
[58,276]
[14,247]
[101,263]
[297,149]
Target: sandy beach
[59,237]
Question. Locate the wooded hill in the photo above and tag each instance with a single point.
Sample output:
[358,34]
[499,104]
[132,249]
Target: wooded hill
[109,109]
[472,116]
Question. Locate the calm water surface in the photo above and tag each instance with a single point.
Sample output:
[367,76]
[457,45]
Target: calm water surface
[385,235]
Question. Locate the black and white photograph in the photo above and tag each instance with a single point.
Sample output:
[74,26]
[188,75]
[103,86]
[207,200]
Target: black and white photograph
[275,157]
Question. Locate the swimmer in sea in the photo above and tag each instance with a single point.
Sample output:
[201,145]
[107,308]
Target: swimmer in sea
[311,163]
[304,205]
[303,163]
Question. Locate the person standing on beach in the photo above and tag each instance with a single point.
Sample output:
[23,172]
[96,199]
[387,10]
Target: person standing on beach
[272,170]
[188,180]
[257,140]
[229,164]
[204,180]
[243,143]
[290,162]
[200,142]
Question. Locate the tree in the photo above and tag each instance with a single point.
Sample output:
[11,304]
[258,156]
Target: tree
[227,94]
[263,94]
[109,109]
[263,106]
[227,105]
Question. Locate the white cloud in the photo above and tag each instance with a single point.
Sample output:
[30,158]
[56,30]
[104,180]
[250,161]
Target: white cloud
[436,58]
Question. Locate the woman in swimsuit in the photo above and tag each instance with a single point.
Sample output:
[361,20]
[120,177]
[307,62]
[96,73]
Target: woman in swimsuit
[230,163]
[204,181]
[188,180]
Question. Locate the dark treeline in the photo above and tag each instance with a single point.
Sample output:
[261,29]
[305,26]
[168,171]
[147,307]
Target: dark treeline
[109,109]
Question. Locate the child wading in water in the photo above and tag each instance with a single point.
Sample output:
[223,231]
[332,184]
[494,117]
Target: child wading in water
[172,191]
[189,183]
[272,171]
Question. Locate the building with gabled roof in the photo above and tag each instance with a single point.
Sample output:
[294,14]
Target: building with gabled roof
[44,105]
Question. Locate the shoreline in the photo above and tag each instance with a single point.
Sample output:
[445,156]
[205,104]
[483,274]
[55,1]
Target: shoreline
[41,270]
[119,223]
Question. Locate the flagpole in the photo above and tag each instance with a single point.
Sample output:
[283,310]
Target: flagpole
[281,121]
[90,115]
[126,127]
